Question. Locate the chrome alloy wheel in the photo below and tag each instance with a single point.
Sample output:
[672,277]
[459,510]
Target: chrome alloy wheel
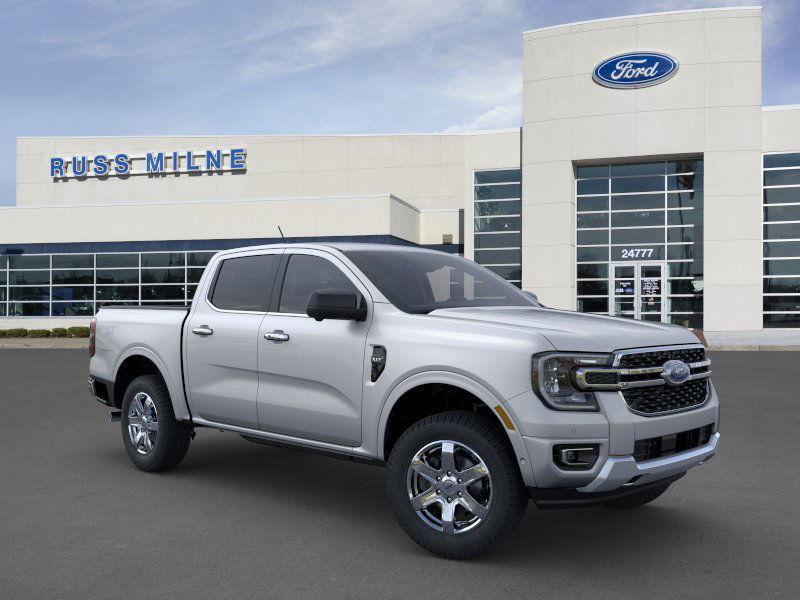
[449,486]
[143,423]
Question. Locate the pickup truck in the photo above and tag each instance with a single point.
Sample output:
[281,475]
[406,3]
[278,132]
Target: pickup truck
[475,397]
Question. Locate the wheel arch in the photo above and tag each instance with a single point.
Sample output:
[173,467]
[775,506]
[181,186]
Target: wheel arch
[138,361]
[451,391]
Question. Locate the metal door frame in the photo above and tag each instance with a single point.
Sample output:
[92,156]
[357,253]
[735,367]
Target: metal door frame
[637,285]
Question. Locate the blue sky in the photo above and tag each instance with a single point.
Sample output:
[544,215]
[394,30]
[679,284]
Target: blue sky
[154,67]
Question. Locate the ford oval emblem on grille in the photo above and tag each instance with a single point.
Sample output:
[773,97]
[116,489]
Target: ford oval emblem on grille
[635,70]
[676,372]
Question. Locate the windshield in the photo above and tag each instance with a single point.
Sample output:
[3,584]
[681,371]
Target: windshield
[419,282]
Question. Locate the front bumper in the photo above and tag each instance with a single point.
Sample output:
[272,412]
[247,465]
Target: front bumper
[622,470]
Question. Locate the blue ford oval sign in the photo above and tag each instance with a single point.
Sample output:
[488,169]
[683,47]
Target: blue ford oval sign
[635,70]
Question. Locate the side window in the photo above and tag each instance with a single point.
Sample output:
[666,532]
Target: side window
[245,283]
[306,274]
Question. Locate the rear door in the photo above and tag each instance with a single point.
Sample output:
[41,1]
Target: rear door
[222,339]
[311,374]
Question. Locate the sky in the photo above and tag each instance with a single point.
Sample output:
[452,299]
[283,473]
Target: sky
[175,67]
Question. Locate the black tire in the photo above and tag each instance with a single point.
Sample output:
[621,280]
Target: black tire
[509,497]
[172,438]
[640,499]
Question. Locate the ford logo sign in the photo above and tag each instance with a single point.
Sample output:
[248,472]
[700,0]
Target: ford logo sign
[635,70]
[676,372]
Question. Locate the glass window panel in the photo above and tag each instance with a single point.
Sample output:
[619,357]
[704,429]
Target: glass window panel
[684,166]
[117,292]
[637,202]
[782,231]
[163,276]
[681,269]
[73,277]
[684,286]
[782,303]
[194,275]
[507,272]
[648,168]
[679,252]
[245,283]
[694,304]
[789,159]
[788,177]
[500,176]
[2,277]
[592,271]
[782,285]
[782,195]
[73,261]
[163,259]
[782,267]
[637,184]
[40,261]
[162,292]
[638,252]
[685,200]
[73,309]
[593,288]
[782,213]
[494,192]
[118,276]
[787,320]
[590,254]
[637,219]
[781,249]
[117,260]
[3,262]
[28,309]
[684,217]
[29,293]
[593,220]
[694,321]
[595,305]
[106,303]
[595,203]
[190,290]
[637,236]
[684,182]
[498,240]
[591,171]
[483,209]
[2,294]
[2,310]
[85,292]
[498,257]
[199,259]
[498,224]
[29,277]
[680,234]
[592,236]
[304,275]
[592,186]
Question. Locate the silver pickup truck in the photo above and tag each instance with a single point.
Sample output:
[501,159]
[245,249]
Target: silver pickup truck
[475,396]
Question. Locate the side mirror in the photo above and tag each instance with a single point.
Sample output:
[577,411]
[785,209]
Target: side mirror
[531,295]
[344,305]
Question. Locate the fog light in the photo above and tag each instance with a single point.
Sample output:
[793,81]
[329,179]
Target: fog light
[576,458]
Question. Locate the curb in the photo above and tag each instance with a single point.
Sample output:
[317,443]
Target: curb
[45,343]
[752,348]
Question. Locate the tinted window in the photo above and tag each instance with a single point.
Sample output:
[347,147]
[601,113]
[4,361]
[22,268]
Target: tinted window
[306,274]
[419,282]
[244,283]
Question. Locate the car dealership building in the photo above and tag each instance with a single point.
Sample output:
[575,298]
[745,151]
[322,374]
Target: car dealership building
[646,180]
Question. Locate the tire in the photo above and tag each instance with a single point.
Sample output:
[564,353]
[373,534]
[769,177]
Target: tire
[640,499]
[501,493]
[156,442]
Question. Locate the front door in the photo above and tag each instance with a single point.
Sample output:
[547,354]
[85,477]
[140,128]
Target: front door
[637,291]
[311,373]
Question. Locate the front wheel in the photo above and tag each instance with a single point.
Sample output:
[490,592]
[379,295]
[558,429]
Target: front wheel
[454,484]
[154,439]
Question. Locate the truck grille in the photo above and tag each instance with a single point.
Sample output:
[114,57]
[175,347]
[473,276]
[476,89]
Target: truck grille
[666,445]
[664,399]
[656,358]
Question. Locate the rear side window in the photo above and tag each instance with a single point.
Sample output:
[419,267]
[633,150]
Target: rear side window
[245,283]
[306,274]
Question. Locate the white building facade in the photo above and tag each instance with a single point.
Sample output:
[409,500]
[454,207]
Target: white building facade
[646,181]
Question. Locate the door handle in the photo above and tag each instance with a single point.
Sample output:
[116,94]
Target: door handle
[277,336]
[203,330]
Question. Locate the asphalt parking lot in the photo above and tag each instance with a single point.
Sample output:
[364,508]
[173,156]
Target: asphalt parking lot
[237,519]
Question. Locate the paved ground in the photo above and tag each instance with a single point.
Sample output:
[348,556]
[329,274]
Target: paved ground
[77,520]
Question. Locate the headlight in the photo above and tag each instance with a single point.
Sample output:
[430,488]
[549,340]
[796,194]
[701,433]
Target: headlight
[553,380]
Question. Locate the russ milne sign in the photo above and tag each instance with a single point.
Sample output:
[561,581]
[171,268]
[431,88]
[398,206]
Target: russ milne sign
[635,70]
[151,163]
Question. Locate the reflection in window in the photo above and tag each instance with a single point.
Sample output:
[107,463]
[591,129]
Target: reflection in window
[498,222]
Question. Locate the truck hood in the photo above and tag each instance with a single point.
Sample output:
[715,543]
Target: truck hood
[576,332]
